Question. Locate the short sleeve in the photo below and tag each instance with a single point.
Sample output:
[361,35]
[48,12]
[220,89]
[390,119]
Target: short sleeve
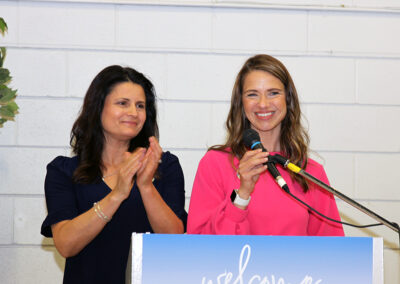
[171,185]
[59,191]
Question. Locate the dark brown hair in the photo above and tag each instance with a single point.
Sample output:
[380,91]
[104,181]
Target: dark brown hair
[294,139]
[87,137]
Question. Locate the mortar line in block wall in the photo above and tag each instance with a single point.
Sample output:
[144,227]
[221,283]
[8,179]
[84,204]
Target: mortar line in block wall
[236,4]
[208,51]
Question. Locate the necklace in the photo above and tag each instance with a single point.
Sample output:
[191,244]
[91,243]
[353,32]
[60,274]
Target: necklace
[103,177]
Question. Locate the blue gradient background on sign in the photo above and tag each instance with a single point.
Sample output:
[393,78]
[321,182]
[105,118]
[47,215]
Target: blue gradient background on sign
[186,259]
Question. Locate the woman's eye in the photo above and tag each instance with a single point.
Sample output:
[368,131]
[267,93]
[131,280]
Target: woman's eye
[252,95]
[274,93]
[141,105]
[122,103]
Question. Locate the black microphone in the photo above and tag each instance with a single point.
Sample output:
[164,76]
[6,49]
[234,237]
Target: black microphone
[251,140]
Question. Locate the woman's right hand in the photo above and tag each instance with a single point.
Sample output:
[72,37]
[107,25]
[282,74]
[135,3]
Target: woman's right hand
[250,167]
[130,166]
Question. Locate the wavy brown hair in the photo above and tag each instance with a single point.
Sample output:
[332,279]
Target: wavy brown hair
[87,136]
[294,140]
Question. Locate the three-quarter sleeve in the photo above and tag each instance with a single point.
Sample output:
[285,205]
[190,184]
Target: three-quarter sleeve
[172,185]
[59,191]
[211,210]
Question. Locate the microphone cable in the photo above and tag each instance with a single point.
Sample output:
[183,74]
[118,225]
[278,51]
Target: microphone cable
[319,213]
[328,218]
[251,139]
[286,163]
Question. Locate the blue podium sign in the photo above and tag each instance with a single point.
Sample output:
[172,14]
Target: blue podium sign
[206,259]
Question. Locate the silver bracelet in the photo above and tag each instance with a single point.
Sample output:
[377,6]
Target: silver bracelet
[100,213]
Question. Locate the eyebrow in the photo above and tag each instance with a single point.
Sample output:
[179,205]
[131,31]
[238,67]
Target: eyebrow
[269,90]
[128,99]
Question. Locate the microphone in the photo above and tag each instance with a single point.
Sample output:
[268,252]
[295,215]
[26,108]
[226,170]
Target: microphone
[251,140]
[286,163]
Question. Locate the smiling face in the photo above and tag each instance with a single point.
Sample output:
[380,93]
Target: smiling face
[124,112]
[264,102]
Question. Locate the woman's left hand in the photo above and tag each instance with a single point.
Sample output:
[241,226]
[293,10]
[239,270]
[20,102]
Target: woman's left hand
[161,217]
[145,175]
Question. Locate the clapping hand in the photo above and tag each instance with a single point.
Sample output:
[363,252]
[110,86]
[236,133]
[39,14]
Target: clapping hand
[145,174]
[131,165]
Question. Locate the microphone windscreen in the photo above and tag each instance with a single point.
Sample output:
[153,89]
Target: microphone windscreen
[250,136]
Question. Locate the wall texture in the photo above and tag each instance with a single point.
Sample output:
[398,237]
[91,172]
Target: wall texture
[344,57]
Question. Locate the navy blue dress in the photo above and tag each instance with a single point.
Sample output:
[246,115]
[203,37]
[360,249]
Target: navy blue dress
[104,259]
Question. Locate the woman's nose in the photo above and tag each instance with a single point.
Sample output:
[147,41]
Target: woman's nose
[133,111]
[264,101]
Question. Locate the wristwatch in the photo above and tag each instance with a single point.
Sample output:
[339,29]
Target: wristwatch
[236,199]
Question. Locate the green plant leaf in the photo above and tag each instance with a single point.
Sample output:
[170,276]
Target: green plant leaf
[6,95]
[3,53]
[7,112]
[2,121]
[8,107]
[3,26]
[12,106]
[4,76]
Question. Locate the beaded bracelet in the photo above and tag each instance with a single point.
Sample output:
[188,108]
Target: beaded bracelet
[100,213]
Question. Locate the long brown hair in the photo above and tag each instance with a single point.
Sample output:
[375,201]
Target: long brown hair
[87,137]
[294,140]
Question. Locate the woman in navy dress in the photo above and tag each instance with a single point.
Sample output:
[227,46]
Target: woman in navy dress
[119,181]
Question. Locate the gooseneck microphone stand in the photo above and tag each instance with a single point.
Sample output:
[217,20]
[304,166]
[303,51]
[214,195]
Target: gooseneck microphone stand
[294,168]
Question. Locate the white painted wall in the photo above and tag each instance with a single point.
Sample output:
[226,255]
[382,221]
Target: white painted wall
[344,57]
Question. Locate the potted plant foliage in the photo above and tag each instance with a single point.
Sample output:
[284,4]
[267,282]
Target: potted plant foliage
[8,107]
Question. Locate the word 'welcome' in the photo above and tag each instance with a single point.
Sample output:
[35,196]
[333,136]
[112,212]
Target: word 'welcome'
[228,277]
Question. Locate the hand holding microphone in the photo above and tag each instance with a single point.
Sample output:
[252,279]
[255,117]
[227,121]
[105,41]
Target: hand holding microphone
[251,166]
[251,139]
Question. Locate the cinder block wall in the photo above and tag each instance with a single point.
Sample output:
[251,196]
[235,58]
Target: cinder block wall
[344,57]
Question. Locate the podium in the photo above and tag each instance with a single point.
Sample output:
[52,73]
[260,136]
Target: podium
[216,259]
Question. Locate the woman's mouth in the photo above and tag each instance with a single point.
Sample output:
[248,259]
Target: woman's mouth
[130,122]
[264,114]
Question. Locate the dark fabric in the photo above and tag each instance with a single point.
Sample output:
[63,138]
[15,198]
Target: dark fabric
[104,259]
